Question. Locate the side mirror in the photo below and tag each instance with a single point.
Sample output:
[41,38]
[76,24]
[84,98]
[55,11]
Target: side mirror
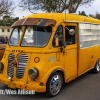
[71,31]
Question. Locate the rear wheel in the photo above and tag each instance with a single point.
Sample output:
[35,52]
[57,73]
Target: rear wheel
[97,66]
[54,84]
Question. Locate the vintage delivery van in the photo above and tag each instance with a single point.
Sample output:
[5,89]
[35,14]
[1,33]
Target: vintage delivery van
[45,50]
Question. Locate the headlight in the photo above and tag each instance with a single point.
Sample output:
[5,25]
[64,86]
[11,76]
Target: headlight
[10,77]
[33,73]
[1,66]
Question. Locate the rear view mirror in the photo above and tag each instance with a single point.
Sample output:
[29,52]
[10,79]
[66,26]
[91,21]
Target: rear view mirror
[71,31]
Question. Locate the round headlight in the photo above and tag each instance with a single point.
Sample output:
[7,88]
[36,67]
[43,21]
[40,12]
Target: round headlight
[33,73]
[1,66]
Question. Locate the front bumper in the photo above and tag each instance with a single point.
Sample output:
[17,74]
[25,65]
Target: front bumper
[21,85]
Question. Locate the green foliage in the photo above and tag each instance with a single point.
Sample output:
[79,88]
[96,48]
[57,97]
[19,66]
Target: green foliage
[3,23]
[17,18]
[82,13]
[96,16]
[91,15]
[8,22]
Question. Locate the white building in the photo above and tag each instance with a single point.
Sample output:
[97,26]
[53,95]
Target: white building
[5,31]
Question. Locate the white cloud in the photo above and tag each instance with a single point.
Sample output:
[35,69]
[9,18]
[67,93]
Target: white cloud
[95,6]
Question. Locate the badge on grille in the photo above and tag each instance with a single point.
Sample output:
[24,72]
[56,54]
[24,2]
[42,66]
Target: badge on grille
[14,63]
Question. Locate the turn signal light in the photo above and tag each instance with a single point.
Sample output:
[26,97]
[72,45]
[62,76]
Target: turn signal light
[36,60]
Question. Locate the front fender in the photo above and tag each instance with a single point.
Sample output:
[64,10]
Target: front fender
[50,72]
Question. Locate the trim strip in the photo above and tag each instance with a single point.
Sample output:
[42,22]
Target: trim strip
[2,48]
[82,22]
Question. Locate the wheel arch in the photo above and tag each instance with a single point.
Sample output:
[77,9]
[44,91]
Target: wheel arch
[57,70]
[51,72]
[95,68]
[95,61]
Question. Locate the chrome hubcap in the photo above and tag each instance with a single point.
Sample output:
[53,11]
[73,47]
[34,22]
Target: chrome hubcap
[55,84]
[98,66]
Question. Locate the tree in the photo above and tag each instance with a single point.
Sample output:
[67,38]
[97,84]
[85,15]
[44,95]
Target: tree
[9,21]
[97,16]
[6,7]
[17,18]
[53,5]
[91,15]
[82,13]
[6,17]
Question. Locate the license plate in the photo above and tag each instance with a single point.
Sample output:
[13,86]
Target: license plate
[11,85]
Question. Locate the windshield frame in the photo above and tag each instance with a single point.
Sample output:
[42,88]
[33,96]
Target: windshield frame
[20,36]
[35,46]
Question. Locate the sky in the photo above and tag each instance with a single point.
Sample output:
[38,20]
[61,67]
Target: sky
[95,7]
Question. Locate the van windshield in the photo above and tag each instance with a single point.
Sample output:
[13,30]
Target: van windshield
[15,36]
[36,36]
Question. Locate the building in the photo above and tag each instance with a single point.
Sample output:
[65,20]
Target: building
[5,31]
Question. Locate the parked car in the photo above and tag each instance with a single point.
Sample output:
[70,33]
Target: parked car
[6,40]
[3,40]
[0,42]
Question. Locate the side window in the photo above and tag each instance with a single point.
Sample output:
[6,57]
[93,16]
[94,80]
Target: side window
[70,39]
[59,35]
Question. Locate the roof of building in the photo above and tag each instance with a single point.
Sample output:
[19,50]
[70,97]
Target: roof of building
[5,27]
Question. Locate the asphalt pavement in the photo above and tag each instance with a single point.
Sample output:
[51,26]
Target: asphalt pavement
[85,87]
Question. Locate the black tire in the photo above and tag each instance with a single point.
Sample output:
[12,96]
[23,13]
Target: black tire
[97,67]
[54,83]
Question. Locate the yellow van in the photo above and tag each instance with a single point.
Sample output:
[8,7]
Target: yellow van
[45,50]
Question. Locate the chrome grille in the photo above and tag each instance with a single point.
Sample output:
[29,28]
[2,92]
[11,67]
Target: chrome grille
[22,61]
[10,64]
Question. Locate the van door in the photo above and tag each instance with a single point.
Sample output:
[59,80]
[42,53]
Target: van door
[71,52]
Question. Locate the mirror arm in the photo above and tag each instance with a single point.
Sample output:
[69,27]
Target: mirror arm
[64,51]
[61,48]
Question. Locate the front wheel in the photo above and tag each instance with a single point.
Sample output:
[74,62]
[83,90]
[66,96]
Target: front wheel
[97,66]
[54,84]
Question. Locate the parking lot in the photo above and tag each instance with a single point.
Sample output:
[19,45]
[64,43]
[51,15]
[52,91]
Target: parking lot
[85,87]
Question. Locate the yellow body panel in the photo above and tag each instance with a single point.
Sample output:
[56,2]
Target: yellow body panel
[73,62]
[86,61]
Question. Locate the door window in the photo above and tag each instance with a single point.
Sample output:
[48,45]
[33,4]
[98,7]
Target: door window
[59,35]
[70,39]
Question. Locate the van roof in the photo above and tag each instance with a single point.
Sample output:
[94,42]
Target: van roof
[59,17]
